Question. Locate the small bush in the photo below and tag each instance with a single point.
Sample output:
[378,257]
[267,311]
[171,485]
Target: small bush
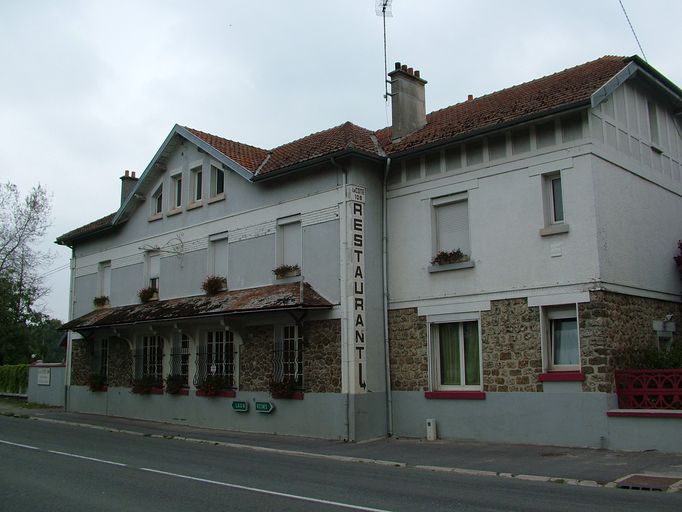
[214,284]
[449,257]
[212,385]
[174,384]
[14,378]
[648,357]
[144,385]
[101,301]
[284,388]
[286,271]
[147,294]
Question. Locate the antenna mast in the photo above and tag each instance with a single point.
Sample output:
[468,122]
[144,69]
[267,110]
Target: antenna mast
[383,9]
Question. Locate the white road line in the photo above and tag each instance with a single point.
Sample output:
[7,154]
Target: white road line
[265,491]
[20,445]
[87,458]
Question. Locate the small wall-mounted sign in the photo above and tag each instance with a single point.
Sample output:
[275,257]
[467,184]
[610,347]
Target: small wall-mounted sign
[240,405]
[44,376]
[265,407]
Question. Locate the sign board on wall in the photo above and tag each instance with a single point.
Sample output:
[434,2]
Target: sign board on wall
[356,237]
[44,375]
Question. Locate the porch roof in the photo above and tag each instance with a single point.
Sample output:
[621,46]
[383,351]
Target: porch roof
[276,297]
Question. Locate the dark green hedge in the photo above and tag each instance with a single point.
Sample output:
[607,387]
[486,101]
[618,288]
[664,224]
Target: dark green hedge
[13,378]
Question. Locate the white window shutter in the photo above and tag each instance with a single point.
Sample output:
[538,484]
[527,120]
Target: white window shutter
[452,224]
[154,265]
[220,257]
[291,243]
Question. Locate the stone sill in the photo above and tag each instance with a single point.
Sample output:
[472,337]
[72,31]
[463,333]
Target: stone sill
[561,377]
[296,395]
[451,266]
[554,229]
[645,413]
[192,206]
[226,394]
[454,395]
[156,216]
[215,199]
[174,211]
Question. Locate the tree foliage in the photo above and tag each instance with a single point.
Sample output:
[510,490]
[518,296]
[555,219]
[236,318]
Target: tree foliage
[23,222]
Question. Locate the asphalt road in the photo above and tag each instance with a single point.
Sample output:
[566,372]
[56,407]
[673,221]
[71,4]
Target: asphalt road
[54,467]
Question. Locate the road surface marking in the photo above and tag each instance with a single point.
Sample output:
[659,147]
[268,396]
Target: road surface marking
[87,458]
[20,445]
[265,491]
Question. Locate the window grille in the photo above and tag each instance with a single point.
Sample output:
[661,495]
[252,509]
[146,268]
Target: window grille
[215,358]
[100,358]
[149,358]
[287,357]
[179,358]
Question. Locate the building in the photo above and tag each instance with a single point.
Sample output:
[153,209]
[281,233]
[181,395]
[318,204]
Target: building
[478,266]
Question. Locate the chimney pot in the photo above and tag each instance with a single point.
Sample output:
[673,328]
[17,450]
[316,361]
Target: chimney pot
[416,73]
[470,97]
[404,67]
[133,174]
[128,182]
[397,65]
[127,173]
[410,71]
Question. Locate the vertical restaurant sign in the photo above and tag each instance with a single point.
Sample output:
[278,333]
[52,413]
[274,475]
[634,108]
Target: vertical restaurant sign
[356,204]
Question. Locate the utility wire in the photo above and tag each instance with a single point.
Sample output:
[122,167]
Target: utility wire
[633,29]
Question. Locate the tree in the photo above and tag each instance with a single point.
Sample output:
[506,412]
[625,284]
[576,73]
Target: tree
[23,222]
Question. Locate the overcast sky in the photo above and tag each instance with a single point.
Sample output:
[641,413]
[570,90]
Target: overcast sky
[91,88]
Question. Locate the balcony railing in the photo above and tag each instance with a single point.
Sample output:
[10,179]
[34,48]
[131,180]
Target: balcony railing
[649,389]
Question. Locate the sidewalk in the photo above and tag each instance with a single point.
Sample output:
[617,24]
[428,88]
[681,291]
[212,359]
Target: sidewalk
[543,463]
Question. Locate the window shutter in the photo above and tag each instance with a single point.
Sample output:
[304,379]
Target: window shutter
[452,224]
[291,243]
[220,257]
[154,265]
[106,280]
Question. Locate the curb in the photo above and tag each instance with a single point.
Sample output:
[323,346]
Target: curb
[339,458]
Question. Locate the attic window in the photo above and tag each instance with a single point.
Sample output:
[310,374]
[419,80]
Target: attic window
[157,201]
[653,123]
[217,182]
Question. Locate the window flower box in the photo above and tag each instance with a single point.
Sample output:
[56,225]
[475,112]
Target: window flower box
[147,386]
[176,385]
[101,302]
[148,294]
[449,257]
[284,271]
[214,284]
[215,385]
[649,389]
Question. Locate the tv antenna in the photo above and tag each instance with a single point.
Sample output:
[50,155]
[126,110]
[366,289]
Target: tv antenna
[383,9]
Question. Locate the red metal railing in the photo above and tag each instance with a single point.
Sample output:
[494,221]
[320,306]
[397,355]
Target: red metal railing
[649,389]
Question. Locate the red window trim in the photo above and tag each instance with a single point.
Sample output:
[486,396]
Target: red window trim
[576,376]
[675,415]
[182,392]
[156,391]
[454,395]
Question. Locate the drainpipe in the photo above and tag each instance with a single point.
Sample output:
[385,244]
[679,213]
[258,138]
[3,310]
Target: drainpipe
[389,394]
[344,309]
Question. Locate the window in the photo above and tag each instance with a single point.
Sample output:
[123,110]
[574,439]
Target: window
[197,184]
[177,190]
[217,181]
[561,340]
[149,359]
[287,360]
[451,222]
[653,123]
[215,358]
[456,355]
[104,274]
[154,269]
[157,201]
[218,253]
[100,358]
[179,357]
[556,199]
[289,241]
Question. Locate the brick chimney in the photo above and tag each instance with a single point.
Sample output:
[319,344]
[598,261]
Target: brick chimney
[407,100]
[128,182]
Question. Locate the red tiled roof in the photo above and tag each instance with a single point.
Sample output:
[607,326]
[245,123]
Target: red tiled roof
[250,300]
[247,156]
[88,228]
[533,98]
[339,138]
